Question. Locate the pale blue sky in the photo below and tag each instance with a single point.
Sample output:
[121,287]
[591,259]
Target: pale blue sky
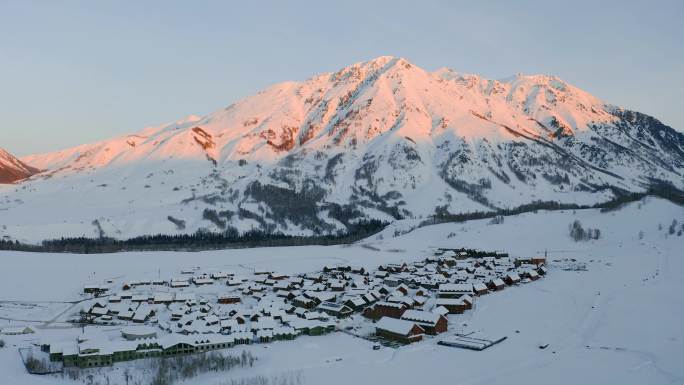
[76,72]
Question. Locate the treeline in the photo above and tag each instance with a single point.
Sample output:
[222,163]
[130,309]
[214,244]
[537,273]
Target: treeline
[164,370]
[443,217]
[171,370]
[231,238]
[579,233]
[658,189]
[475,253]
[200,240]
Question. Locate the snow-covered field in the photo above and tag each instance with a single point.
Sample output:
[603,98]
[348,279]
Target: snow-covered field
[619,321]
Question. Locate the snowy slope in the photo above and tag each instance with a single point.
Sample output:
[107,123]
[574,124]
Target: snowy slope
[618,321]
[380,139]
[12,169]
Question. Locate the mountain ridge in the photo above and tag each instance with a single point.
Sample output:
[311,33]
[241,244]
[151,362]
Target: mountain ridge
[12,169]
[381,139]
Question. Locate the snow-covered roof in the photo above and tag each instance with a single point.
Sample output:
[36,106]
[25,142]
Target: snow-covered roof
[479,286]
[16,330]
[138,331]
[333,307]
[394,325]
[441,310]
[396,305]
[449,301]
[163,297]
[421,316]
[456,287]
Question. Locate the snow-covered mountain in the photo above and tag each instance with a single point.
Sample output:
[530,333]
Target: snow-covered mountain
[12,169]
[380,139]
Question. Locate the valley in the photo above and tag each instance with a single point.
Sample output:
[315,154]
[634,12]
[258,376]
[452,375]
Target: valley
[599,303]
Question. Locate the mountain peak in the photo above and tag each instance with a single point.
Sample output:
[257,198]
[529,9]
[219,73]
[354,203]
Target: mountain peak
[378,139]
[385,60]
[384,96]
[380,64]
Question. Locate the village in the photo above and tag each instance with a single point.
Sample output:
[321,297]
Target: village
[201,310]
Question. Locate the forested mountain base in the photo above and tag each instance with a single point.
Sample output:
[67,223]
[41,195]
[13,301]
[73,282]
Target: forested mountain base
[231,238]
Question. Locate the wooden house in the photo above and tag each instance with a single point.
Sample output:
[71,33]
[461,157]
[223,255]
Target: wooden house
[512,279]
[228,299]
[432,323]
[335,309]
[480,288]
[496,284]
[399,330]
[304,302]
[386,309]
[454,305]
[454,290]
[356,303]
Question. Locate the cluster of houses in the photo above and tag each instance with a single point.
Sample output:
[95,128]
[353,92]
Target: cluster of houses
[426,292]
[201,310]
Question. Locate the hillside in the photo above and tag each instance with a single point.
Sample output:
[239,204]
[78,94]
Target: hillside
[12,169]
[382,139]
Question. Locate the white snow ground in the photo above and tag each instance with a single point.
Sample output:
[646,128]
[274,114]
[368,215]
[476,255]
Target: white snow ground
[620,321]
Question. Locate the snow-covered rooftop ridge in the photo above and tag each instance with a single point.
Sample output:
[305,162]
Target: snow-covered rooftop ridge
[394,325]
